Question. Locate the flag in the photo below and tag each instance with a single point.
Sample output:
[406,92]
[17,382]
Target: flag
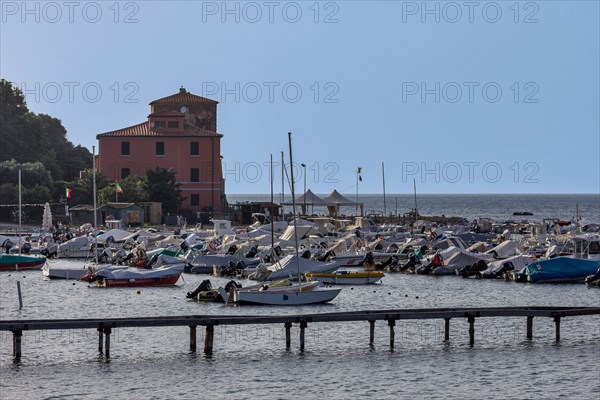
[360,178]
[359,170]
[118,187]
[68,193]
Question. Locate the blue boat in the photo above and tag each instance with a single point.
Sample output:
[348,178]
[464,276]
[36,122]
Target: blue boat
[559,270]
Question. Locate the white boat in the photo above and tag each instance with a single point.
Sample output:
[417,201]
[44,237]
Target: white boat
[291,294]
[292,265]
[63,273]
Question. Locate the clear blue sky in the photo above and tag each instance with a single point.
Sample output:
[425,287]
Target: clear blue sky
[484,97]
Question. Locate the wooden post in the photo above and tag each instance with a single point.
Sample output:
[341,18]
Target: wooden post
[529,328]
[446,329]
[371,332]
[107,331]
[193,338]
[288,335]
[557,323]
[208,339]
[17,344]
[303,326]
[20,295]
[392,323]
[471,320]
[100,339]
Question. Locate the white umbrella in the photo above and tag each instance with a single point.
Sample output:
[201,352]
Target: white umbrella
[47,218]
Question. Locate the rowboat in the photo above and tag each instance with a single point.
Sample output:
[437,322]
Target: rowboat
[346,277]
[288,294]
[17,262]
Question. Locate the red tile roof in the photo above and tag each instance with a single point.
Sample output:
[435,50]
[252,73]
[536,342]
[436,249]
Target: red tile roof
[183,97]
[143,130]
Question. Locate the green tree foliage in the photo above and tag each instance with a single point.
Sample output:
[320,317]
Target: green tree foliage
[82,190]
[26,136]
[133,191]
[160,185]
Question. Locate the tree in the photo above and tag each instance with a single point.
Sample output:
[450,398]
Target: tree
[161,185]
[133,191]
[82,190]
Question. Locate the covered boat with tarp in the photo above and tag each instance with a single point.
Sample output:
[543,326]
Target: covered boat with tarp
[559,270]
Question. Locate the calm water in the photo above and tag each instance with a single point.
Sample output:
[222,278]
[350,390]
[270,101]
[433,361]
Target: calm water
[251,362]
[500,207]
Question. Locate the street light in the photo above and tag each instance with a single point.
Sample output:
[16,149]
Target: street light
[304,166]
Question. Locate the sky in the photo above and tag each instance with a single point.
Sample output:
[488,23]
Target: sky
[455,97]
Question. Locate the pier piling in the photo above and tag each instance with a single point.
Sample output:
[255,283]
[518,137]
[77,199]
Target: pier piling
[529,328]
[557,323]
[208,339]
[391,324]
[471,320]
[446,329]
[100,339]
[17,335]
[193,338]
[107,332]
[288,336]
[371,332]
[303,326]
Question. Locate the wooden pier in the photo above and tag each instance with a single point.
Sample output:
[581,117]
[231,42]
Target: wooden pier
[104,326]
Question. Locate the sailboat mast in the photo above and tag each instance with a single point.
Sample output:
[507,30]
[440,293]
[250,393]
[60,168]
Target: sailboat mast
[294,207]
[282,185]
[415,191]
[95,210]
[272,209]
[383,176]
[20,244]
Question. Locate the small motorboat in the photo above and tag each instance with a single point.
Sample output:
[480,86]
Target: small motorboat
[282,293]
[559,269]
[18,262]
[130,277]
[346,277]
[593,280]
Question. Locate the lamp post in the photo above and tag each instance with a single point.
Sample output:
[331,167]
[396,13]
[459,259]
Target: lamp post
[304,166]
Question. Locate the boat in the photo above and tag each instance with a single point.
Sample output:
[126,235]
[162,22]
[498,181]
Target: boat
[559,270]
[593,280]
[18,262]
[281,293]
[131,277]
[346,277]
[63,273]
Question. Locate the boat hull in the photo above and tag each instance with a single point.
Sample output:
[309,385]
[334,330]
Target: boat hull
[560,270]
[64,273]
[134,282]
[347,278]
[288,298]
[15,262]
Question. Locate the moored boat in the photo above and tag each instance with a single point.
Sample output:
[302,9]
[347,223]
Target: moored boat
[346,277]
[285,295]
[559,270]
[16,262]
[131,277]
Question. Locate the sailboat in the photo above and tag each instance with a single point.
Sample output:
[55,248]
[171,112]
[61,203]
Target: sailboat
[16,262]
[284,292]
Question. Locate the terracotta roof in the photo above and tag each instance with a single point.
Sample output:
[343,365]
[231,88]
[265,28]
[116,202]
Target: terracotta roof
[143,130]
[183,97]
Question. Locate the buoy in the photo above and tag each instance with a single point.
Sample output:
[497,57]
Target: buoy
[73,283]
[405,295]
[417,297]
[139,291]
[389,293]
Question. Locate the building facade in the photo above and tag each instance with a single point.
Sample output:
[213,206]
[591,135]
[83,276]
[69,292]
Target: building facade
[180,133]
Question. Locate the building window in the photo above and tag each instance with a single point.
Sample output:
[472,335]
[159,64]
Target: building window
[160,148]
[195,200]
[195,175]
[159,124]
[173,124]
[125,172]
[194,149]
[125,149]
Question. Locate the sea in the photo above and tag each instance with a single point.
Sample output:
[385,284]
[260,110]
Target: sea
[250,362]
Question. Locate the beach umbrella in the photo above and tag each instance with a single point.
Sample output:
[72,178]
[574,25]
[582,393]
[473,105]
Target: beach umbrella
[47,218]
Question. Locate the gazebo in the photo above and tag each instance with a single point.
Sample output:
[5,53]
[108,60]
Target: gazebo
[334,200]
[308,199]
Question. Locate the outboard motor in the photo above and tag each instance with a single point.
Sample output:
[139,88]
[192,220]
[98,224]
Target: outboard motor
[278,251]
[240,265]
[379,246]
[306,254]
[232,285]
[412,262]
[232,249]
[392,248]
[205,286]
[327,256]
[26,248]
[252,253]
[368,262]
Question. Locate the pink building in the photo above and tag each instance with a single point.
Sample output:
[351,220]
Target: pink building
[180,133]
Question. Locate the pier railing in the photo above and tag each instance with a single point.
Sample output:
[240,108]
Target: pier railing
[104,326]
